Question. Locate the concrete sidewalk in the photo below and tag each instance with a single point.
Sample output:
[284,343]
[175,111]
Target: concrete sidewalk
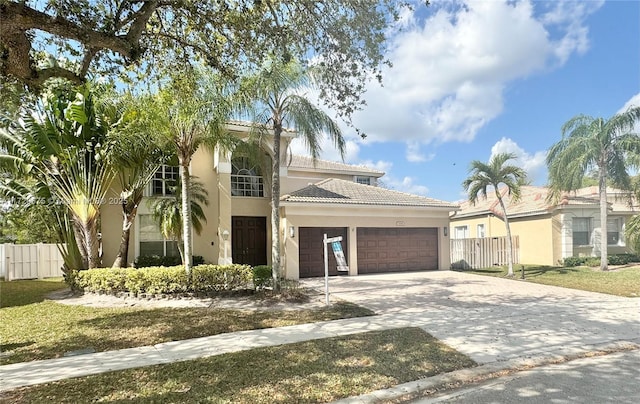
[44,371]
[496,322]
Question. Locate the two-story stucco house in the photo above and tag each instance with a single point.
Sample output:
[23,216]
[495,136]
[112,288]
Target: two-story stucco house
[549,232]
[383,230]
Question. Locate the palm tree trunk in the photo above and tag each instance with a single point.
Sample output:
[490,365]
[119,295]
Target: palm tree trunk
[602,188]
[275,207]
[129,209]
[186,214]
[509,244]
[80,242]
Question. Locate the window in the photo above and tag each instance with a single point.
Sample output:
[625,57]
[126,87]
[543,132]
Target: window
[364,180]
[164,180]
[480,232]
[151,240]
[460,232]
[613,231]
[581,231]
[246,179]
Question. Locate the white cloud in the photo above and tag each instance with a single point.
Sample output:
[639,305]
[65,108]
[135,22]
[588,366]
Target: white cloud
[405,184]
[415,155]
[633,102]
[450,69]
[534,164]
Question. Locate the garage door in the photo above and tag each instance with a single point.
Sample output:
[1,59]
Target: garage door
[311,250]
[397,249]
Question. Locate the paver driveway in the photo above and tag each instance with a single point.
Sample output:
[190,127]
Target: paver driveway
[493,319]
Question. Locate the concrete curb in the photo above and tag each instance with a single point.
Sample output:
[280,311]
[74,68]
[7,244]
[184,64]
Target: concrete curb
[425,387]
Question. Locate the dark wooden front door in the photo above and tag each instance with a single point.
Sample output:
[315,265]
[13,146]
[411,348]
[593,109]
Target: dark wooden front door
[311,250]
[249,240]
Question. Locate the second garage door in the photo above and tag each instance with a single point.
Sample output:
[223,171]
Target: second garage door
[397,249]
[311,252]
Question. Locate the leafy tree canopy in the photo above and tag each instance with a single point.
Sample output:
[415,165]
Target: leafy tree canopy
[344,38]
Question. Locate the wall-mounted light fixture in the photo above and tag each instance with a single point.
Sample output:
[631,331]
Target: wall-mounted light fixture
[225,235]
[292,231]
[445,230]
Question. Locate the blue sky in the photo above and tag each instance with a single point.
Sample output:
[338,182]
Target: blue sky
[472,78]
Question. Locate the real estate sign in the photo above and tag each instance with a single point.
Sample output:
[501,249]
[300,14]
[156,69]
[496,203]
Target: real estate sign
[336,246]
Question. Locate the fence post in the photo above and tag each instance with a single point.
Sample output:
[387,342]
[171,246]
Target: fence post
[8,252]
[39,252]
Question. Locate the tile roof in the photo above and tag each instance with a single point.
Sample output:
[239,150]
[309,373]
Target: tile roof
[336,191]
[533,201]
[306,162]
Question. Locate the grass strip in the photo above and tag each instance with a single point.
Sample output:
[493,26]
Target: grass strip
[620,282]
[313,371]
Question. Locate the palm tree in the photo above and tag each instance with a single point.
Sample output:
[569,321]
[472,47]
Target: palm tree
[167,212]
[63,145]
[606,146]
[482,176]
[275,99]
[190,113]
[137,158]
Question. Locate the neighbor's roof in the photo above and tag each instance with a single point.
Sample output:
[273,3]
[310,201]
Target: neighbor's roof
[307,163]
[533,201]
[336,191]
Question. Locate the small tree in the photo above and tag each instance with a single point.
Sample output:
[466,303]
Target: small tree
[167,212]
[484,176]
[606,146]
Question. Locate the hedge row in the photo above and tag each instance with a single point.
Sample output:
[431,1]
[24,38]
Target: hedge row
[144,261]
[615,259]
[165,280]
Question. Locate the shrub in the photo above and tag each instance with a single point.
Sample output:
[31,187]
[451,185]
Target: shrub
[145,261]
[262,276]
[574,261]
[215,278]
[618,259]
[592,262]
[165,280]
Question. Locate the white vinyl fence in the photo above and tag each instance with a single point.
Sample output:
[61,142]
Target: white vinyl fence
[30,261]
[477,253]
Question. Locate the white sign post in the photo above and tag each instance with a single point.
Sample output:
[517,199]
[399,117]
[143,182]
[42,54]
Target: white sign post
[336,247]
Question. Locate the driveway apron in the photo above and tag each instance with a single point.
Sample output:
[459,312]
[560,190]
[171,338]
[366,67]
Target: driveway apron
[494,319]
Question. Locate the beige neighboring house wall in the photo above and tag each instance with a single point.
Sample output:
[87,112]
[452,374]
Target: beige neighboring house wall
[380,209]
[546,230]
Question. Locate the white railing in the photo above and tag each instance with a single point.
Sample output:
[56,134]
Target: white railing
[30,261]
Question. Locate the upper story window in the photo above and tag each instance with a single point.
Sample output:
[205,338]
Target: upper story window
[246,178]
[364,180]
[582,231]
[164,180]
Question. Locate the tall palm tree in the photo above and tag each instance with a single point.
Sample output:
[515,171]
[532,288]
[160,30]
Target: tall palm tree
[167,211]
[190,113]
[275,99]
[483,176]
[605,146]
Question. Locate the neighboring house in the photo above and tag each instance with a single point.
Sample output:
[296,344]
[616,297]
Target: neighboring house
[382,230]
[549,233]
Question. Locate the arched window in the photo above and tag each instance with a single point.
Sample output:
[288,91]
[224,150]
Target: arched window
[246,178]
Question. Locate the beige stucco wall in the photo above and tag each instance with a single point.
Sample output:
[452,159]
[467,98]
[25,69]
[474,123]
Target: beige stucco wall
[359,216]
[535,234]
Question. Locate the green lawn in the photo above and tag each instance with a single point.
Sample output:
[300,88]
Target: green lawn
[620,282]
[313,371]
[20,293]
[47,329]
